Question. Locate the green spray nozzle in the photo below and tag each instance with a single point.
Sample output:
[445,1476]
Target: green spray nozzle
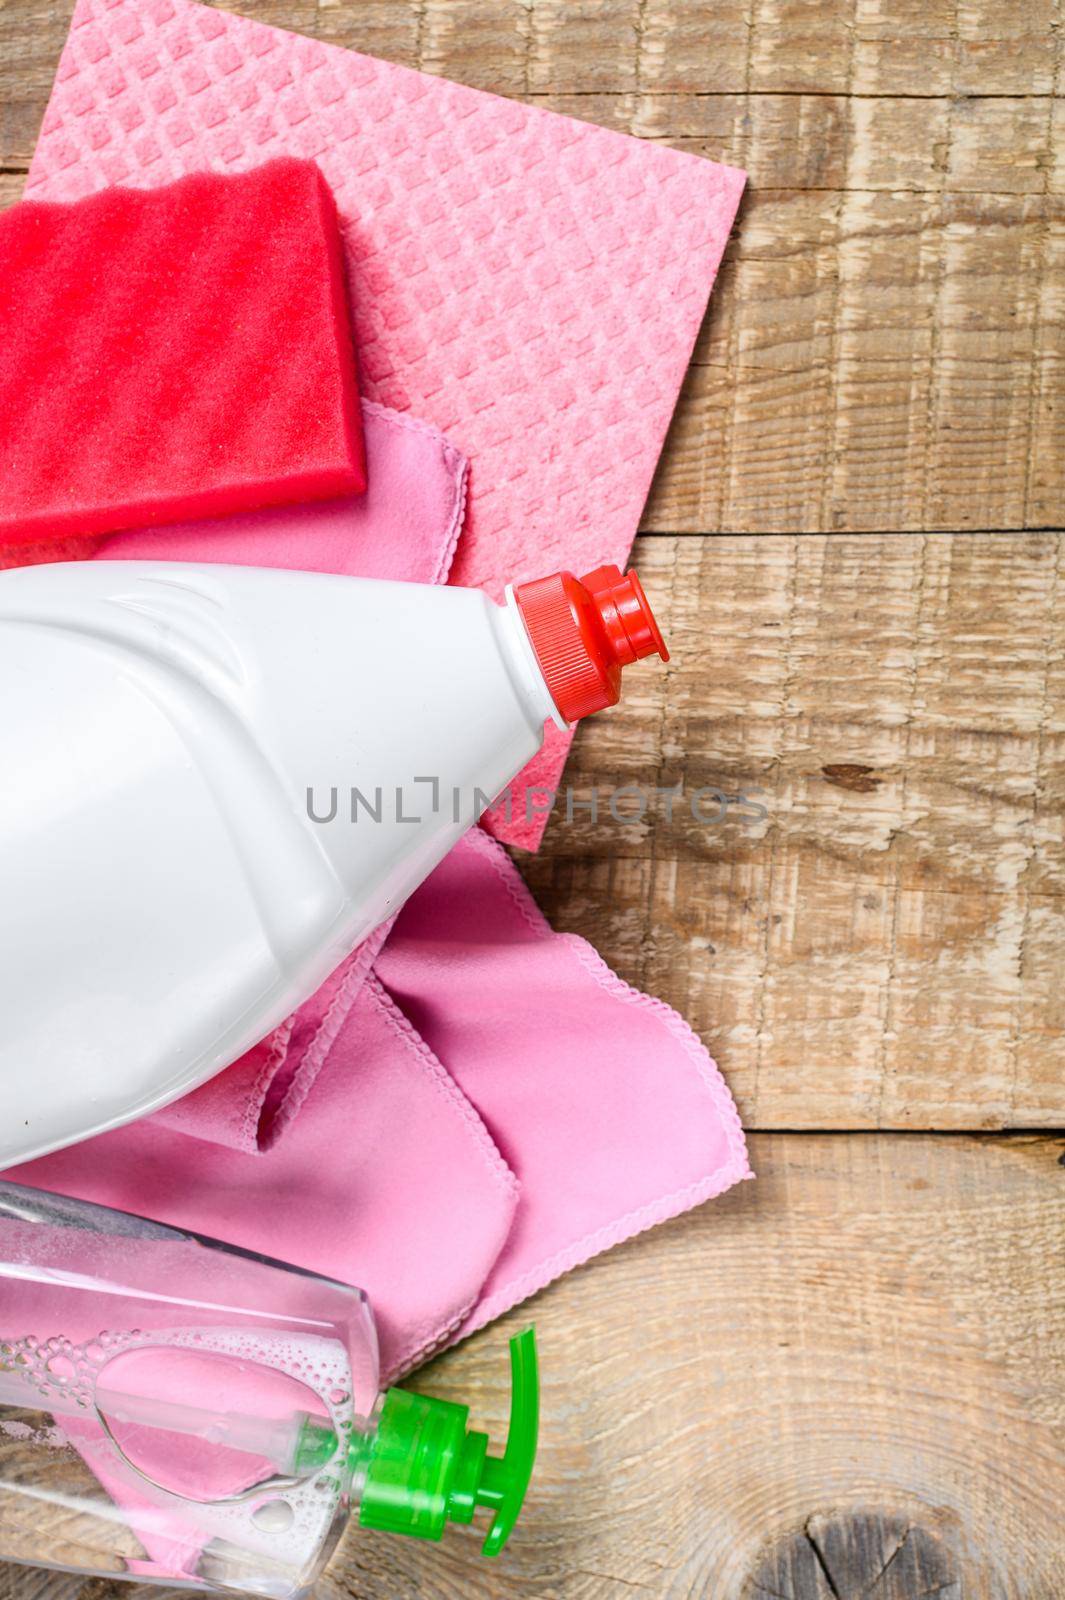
[422,1468]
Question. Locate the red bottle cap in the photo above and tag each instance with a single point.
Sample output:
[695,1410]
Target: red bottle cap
[584,630]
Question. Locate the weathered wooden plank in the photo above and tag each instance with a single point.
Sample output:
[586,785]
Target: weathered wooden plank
[874,361]
[882,947]
[790,46]
[918,47]
[885,348]
[869,1328]
[969,47]
[32,1583]
[862,1350]
[635,48]
[559,54]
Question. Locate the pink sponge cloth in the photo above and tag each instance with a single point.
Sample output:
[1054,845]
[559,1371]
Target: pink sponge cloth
[173,353]
[531,285]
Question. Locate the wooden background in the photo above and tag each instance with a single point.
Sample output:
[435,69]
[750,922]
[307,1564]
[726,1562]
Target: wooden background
[847,1379]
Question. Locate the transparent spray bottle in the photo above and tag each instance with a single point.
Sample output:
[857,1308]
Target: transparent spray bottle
[176,1410]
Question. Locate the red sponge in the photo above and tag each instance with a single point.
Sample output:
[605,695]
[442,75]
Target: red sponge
[174,353]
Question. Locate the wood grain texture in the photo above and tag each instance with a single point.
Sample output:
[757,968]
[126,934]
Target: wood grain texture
[882,947]
[859,1555]
[865,1342]
[885,348]
[845,1379]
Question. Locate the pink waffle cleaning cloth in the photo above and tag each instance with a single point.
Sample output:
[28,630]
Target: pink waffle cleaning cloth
[530,284]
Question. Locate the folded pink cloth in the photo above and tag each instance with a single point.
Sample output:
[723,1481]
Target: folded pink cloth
[490,1109]
[603,1102]
[387,1178]
[531,284]
[406,525]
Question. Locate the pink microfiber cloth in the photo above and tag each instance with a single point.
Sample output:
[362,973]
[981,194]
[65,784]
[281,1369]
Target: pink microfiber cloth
[472,1104]
[603,1101]
[488,1108]
[530,284]
[175,352]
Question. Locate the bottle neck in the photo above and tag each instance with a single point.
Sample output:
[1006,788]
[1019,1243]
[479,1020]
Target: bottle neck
[419,1466]
[584,632]
[525,665]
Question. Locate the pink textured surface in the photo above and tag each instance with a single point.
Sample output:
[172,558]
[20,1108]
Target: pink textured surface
[530,284]
[143,378]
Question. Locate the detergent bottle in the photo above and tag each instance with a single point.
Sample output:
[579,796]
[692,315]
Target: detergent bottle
[218,780]
[173,1410]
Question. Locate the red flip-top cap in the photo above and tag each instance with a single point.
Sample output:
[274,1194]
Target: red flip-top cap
[584,630]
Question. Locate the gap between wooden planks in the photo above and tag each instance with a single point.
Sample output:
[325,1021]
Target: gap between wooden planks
[859,1352]
[885,348]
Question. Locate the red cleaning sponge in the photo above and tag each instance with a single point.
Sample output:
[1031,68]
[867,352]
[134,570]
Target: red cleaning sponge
[175,352]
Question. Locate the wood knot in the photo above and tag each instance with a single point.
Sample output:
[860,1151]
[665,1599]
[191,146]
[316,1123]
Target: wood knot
[858,1555]
[851,775]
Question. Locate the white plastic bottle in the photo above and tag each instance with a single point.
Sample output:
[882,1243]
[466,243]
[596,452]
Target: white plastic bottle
[218,780]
